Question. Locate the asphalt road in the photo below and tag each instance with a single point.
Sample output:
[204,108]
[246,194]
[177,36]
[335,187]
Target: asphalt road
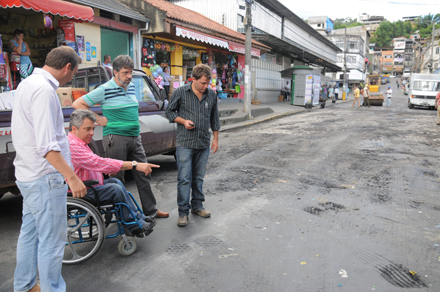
[334,199]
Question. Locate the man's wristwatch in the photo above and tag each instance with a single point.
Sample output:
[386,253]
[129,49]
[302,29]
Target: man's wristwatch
[134,164]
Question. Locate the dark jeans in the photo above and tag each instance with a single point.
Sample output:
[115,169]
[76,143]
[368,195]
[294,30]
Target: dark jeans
[128,148]
[167,90]
[112,192]
[191,166]
[336,95]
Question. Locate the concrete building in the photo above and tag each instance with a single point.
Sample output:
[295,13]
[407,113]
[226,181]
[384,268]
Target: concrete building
[292,40]
[321,24]
[371,23]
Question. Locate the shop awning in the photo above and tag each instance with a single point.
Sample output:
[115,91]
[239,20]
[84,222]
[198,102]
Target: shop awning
[55,7]
[241,49]
[201,37]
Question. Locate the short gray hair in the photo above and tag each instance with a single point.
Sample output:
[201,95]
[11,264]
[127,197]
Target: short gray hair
[122,62]
[78,116]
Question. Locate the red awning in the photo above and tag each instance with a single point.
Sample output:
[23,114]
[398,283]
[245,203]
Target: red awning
[55,7]
[239,48]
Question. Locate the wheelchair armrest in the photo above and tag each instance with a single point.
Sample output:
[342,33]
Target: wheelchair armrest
[89,183]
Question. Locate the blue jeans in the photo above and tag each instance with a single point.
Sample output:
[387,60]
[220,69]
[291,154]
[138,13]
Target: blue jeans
[388,101]
[191,166]
[43,234]
[113,191]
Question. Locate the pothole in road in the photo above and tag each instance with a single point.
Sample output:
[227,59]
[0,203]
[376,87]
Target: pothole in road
[401,277]
[430,173]
[325,206]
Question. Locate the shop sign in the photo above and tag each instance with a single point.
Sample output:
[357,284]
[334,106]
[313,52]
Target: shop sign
[241,49]
[183,32]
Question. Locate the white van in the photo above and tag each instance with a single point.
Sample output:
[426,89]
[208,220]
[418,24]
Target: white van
[423,89]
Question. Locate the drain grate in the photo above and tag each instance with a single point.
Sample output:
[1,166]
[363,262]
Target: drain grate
[177,249]
[209,241]
[401,277]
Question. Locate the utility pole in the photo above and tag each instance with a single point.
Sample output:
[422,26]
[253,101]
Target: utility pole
[247,66]
[432,45]
[345,64]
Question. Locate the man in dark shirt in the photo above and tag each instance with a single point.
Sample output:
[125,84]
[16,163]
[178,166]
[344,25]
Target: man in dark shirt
[194,108]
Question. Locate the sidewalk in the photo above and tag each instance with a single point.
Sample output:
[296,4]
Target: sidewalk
[232,110]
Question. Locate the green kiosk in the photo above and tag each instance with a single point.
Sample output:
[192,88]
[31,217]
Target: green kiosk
[306,83]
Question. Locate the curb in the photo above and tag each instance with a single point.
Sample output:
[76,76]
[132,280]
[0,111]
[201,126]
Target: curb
[278,116]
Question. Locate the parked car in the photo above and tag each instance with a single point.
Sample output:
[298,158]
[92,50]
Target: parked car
[158,134]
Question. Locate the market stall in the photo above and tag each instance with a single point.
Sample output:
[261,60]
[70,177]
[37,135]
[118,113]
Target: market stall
[45,25]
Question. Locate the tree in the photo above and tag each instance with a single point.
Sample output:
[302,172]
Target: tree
[384,34]
[345,22]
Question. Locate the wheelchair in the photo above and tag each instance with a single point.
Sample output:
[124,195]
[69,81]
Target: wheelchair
[87,228]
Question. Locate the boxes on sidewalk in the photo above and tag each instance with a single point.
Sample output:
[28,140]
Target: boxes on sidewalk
[256,102]
[7,99]
[66,97]
[281,98]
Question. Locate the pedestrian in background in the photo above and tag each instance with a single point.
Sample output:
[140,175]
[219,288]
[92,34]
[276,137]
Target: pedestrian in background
[367,96]
[42,162]
[194,108]
[166,80]
[357,94]
[389,93]
[437,103]
[336,92]
[331,94]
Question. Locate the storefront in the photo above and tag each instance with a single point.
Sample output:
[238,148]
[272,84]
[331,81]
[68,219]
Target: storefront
[46,25]
[184,48]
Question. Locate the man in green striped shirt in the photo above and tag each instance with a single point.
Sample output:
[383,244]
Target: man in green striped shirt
[121,130]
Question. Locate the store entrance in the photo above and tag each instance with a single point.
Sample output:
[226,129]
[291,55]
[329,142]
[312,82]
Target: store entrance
[114,43]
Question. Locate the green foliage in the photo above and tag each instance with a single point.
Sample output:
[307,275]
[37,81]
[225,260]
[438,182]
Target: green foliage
[345,22]
[387,31]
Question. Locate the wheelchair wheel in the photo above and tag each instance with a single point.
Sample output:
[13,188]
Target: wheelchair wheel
[85,231]
[129,249]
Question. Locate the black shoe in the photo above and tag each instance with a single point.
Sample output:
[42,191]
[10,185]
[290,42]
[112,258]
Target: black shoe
[148,225]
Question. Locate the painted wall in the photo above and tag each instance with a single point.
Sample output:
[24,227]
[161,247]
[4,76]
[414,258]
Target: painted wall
[92,35]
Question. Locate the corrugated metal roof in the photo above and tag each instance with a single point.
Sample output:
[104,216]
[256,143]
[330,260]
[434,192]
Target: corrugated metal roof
[194,18]
[114,7]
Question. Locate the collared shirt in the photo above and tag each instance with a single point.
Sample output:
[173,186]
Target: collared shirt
[119,106]
[107,65]
[88,165]
[37,126]
[203,113]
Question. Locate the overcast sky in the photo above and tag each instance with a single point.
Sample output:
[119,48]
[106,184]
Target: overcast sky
[391,10]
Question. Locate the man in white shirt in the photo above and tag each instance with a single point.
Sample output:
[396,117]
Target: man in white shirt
[42,162]
[389,92]
[336,92]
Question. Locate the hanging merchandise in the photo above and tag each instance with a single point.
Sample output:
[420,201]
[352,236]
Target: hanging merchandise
[148,53]
[237,88]
[48,21]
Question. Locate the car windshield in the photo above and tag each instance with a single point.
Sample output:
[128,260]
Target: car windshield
[143,90]
[426,85]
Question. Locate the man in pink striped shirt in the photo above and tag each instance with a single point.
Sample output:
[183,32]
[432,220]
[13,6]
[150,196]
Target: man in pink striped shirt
[89,166]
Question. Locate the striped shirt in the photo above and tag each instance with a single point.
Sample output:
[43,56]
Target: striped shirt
[203,113]
[88,165]
[119,106]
